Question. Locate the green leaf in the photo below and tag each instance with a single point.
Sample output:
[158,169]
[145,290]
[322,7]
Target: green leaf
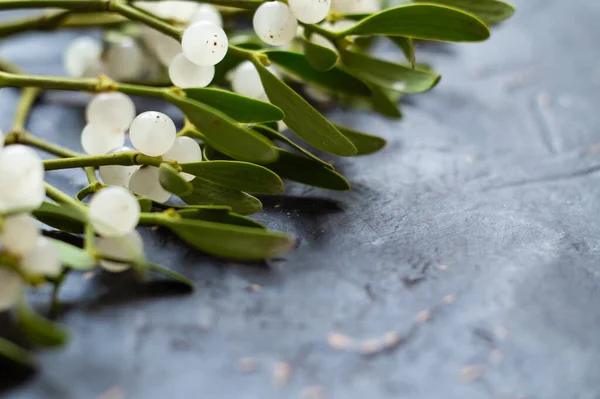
[61,217]
[37,329]
[407,45]
[319,57]
[210,215]
[170,273]
[207,193]
[491,11]
[232,242]
[335,80]
[242,109]
[237,175]
[383,103]
[15,353]
[172,181]
[74,257]
[388,74]
[223,133]
[365,143]
[423,21]
[298,168]
[302,118]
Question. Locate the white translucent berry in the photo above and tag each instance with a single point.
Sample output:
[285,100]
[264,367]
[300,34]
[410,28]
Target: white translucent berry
[29,200]
[145,182]
[117,175]
[322,41]
[82,57]
[128,248]
[184,150]
[43,259]
[114,211]
[185,74]
[166,48]
[10,287]
[19,233]
[152,133]
[355,6]
[21,175]
[204,43]
[310,11]
[206,12]
[110,111]
[178,10]
[124,60]
[274,23]
[246,81]
[96,141]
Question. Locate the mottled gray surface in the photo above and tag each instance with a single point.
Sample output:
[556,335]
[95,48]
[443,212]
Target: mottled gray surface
[493,174]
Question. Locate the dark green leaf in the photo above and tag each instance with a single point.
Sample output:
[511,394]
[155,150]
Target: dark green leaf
[207,193]
[240,108]
[15,353]
[390,75]
[74,257]
[423,21]
[237,175]
[224,134]
[302,118]
[407,45]
[233,242]
[172,181]
[319,57]
[335,80]
[61,217]
[170,273]
[210,215]
[303,170]
[365,143]
[383,103]
[491,11]
[39,330]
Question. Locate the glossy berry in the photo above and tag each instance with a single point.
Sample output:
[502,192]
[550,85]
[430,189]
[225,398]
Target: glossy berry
[128,248]
[19,233]
[117,175]
[10,287]
[166,48]
[355,6]
[110,112]
[185,74]
[204,43]
[184,150]
[246,81]
[124,60]
[43,259]
[82,57]
[274,23]
[145,182]
[310,11]
[114,211]
[152,133]
[21,173]
[209,13]
[96,141]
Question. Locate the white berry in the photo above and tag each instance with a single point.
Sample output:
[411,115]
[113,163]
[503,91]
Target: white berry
[117,175]
[207,12]
[82,57]
[246,81]
[43,259]
[322,41]
[355,6]
[21,174]
[19,233]
[10,287]
[110,111]
[127,248]
[124,60]
[96,141]
[184,150]
[185,74]
[204,43]
[166,48]
[310,11]
[114,211]
[152,133]
[145,182]
[274,23]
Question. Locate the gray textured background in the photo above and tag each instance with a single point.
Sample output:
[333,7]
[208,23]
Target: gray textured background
[494,174]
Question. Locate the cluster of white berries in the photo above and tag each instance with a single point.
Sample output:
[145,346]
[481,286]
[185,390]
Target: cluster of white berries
[109,116]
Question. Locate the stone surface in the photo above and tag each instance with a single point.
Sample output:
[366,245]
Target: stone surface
[464,263]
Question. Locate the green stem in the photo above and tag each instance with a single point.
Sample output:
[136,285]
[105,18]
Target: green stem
[7,66]
[148,218]
[58,196]
[72,5]
[124,159]
[26,100]
[138,15]
[31,140]
[90,173]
